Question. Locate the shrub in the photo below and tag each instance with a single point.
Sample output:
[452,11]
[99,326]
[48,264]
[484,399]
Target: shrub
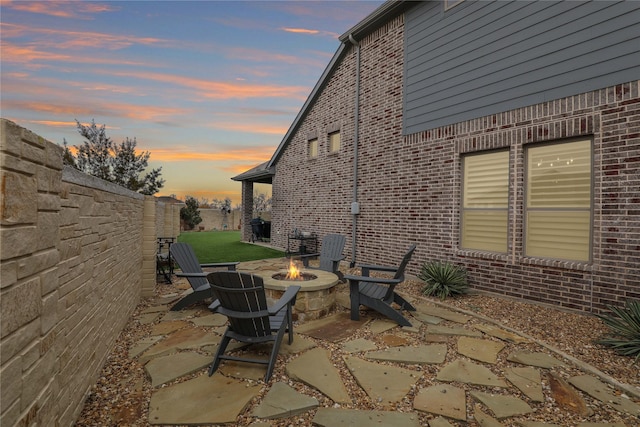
[624,326]
[443,279]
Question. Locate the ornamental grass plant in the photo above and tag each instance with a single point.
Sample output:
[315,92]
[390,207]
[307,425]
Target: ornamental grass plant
[624,328]
[443,279]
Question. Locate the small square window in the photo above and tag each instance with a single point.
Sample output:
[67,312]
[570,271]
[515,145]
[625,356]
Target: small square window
[312,148]
[334,142]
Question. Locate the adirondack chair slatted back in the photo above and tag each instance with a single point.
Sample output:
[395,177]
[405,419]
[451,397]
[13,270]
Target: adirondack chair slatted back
[243,300]
[331,250]
[186,258]
[400,271]
[403,264]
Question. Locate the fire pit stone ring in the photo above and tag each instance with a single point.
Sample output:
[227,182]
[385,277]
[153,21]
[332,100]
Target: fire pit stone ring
[317,296]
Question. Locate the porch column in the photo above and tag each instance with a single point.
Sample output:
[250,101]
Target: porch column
[247,209]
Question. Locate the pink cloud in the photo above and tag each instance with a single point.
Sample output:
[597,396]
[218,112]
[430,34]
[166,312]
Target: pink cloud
[222,90]
[61,9]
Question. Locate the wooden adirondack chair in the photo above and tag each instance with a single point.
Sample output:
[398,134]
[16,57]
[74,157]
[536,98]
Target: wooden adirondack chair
[378,293]
[184,256]
[330,255]
[241,297]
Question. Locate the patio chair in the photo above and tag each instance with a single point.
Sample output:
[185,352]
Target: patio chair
[330,255]
[379,293]
[183,255]
[241,297]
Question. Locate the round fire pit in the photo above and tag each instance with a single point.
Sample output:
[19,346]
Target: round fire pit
[317,296]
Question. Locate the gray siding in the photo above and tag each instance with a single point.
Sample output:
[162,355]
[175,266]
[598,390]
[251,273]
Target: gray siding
[481,57]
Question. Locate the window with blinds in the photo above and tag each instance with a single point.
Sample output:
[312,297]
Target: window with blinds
[312,148]
[485,201]
[558,201]
[334,142]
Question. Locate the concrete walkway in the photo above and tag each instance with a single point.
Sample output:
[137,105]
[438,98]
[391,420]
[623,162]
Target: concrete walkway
[453,363]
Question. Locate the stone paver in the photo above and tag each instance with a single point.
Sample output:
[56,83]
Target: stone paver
[393,340]
[379,326]
[180,315]
[165,328]
[443,313]
[147,318]
[142,345]
[424,354]
[480,349]
[541,360]
[527,380]
[484,419]
[246,370]
[384,384]
[536,424]
[445,330]
[202,400]
[283,401]
[426,319]
[334,328]
[440,422]
[502,406]
[442,399]
[155,309]
[497,332]
[209,320]
[180,340]
[469,373]
[599,390]
[168,368]
[315,369]
[331,417]
[300,343]
[358,345]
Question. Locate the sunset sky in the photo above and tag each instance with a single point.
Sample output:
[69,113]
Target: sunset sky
[208,87]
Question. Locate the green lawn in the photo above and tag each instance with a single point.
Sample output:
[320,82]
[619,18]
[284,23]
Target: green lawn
[225,246]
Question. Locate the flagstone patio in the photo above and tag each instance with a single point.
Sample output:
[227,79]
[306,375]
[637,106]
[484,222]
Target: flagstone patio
[444,369]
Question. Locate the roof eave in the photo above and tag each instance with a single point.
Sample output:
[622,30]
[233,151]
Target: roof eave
[383,13]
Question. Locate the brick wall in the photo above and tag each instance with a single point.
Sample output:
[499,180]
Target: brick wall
[76,254]
[409,185]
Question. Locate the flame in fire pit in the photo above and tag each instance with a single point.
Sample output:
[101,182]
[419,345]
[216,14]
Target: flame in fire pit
[293,273]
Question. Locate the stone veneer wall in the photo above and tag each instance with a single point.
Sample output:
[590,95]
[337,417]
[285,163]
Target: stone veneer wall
[76,255]
[409,185]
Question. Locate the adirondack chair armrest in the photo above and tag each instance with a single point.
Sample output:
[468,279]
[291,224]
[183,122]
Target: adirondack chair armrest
[192,274]
[308,255]
[214,305]
[305,258]
[289,297]
[231,266]
[380,280]
[366,268]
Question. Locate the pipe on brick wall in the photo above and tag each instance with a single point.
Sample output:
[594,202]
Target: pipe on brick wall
[356,118]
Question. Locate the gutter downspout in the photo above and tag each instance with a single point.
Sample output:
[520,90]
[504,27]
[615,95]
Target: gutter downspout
[355,206]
